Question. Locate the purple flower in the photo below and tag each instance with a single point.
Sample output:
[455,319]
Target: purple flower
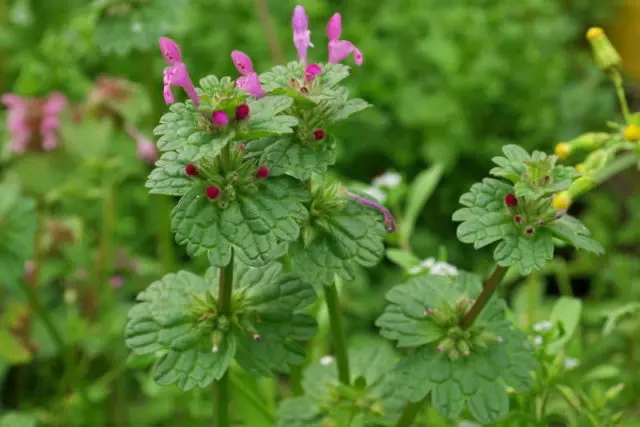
[145,149]
[249,81]
[301,33]
[340,49]
[311,72]
[50,121]
[389,220]
[176,73]
[17,121]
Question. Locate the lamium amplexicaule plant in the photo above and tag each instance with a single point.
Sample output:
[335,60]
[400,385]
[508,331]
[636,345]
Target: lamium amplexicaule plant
[248,158]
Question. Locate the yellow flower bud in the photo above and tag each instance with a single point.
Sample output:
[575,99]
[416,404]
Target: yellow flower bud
[605,55]
[594,32]
[563,150]
[561,201]
[632,133]
[581,168]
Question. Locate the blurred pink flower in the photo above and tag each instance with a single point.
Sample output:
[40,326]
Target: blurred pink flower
[301,33]
[249,81]
[116,282]
[176,73]
[340,49]
[311,72]
[145,149]
[32,119]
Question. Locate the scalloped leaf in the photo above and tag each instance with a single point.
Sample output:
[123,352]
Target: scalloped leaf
[256,225]
[288,155]
[267,118]
[349,238]
[168,177]
[477,381]
[18,223]
[180,126]
[325,401]
[168,322]
[574,232]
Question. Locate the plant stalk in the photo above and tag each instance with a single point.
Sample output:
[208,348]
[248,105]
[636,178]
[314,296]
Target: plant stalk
[616,78]
[222,387]
[490,285]
[410,412]
[338,334]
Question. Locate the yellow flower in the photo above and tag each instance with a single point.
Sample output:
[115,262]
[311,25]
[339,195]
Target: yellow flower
[561,201]
[594,32]
[563,150]
[632,133]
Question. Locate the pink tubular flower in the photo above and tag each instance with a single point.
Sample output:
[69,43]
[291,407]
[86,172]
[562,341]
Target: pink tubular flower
[301,33]
[145,149]
[389,220]
[176,73]
[340,49]
[50,121]
[311,72]
[249,81]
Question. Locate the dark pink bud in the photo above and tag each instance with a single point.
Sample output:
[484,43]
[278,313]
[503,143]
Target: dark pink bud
[262,172]
[517,219]
[529,230]
[510,200]
[256,337]
[242,112]
[212,192]
[191,170]
[241,147]
[220,118]
[311,72]
[318,134]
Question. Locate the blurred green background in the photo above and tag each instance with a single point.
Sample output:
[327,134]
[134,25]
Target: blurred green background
[450,81]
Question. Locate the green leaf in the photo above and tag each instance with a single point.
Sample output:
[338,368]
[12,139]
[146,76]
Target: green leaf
[511,166]
[266,117]
[169,177]
[164,321]
[326,400]
[614,317]
[346,238]
[181,125]
[289,155]
[402,258]
[350,108]
[477,381]
[12,350]
[257,225]
[177,322]
[529,253]
[280,76]
[17,230]
[572,231]
[421,189]
[566,312]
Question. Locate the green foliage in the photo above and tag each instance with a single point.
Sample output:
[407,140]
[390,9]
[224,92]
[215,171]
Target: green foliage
[326,400]
[469,368]
[177,320]
[525,231]
[17,230]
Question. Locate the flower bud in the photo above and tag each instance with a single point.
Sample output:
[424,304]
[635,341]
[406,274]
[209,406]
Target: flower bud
[563,150]
[632,133]
[604,53]
[580,186]
[262,172]
[517,219]
[220,118]
[318,134]
[464,347]
[581,168]
[561,201]
[212,192]
[191,170]
[510,200]
[242,112]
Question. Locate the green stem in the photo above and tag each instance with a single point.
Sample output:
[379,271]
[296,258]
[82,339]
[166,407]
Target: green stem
[222,392]
[295,380]
[336,325]
[104,261]
[254,400]
[616,78]
[38,308]
[490,285]
[409,413]
[617,165]
[262,8]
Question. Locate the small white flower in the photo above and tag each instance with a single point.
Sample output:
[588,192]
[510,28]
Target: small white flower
[537,340]
[376,193]
[387,179]
[570,362]
[545,325]
[443,269]
[326,360]
[416,270]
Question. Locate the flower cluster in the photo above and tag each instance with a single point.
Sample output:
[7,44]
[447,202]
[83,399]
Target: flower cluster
[33,122]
